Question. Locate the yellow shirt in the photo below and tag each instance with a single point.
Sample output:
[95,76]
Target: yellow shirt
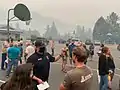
[4,50]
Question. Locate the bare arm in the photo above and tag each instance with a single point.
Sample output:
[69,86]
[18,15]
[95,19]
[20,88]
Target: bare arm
[37,79]
[58,57]
[62,87]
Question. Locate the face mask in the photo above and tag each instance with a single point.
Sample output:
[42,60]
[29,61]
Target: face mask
[42,50]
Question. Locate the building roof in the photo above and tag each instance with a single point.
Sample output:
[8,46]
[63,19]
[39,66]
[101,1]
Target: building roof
[3,29]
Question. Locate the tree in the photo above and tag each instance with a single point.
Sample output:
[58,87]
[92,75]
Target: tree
[112,19]
[110,25]
[52,32]
[100,30]
[47,31]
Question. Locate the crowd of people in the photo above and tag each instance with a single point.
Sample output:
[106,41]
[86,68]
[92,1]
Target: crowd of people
[30,64]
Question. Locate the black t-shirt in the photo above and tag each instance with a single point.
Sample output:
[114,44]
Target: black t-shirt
[41,65]
[103,65]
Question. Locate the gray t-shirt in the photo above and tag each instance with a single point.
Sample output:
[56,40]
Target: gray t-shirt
[78,79]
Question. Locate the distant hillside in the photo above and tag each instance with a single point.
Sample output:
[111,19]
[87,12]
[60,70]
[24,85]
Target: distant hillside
[39,22]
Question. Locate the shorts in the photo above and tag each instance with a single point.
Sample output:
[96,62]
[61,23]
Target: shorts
[64,60]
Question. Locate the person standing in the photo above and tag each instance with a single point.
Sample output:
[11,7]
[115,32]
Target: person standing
[13,54]
[100,49]
[41,61]
[103,68]
[79,78]
[21,79]
[52,46]
[4,55]
[21,52]
[111,66]
[64,60]
[91,49]
[87,52]
[29,50]
[70,47]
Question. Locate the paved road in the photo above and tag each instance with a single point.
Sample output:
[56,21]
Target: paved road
[56,76]
[93,64]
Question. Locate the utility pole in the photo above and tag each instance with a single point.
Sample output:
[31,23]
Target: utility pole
[8,23]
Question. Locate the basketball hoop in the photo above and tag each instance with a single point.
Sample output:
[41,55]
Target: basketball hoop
[27,22]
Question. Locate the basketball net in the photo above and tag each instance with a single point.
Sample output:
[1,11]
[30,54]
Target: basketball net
[28,22]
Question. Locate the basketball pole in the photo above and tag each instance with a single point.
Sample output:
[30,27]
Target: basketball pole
[16,14]
[8,24]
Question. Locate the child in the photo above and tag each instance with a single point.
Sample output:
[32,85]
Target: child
[64,60]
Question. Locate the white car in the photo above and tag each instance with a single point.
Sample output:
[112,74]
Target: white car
[97,42]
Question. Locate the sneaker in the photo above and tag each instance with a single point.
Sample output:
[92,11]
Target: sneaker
[2,69]
[7,76]
[11,71]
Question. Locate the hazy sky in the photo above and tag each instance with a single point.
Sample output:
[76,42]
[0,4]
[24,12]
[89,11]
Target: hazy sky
[83,12]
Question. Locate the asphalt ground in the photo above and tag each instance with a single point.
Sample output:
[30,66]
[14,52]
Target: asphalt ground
[57,76]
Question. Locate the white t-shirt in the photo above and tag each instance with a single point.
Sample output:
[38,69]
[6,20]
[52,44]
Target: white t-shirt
[29,51]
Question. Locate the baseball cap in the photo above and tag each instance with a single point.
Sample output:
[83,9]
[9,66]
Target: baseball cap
[39,43]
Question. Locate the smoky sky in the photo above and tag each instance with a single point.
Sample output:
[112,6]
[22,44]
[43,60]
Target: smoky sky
[83,12]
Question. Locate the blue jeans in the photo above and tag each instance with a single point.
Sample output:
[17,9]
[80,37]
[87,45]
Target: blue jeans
[103,82]
[14,63]
[3,60]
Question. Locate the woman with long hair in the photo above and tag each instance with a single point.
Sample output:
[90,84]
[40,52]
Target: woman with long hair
[106,69]
[111,66]
[21,79]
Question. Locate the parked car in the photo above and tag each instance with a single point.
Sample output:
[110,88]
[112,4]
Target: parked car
[96,42]
[88,42]
[75,39]
[118,47]
[61,41]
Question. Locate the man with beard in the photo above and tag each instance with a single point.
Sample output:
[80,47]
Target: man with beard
[79,78]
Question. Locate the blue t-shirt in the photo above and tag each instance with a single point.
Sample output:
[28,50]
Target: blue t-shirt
[71,46]
[21,50]
[13,53]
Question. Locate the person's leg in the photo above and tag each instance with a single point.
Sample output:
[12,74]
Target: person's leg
[70,59]
[3,60]
[62,66]
[91,57]
[6,65]
[15,64]
[20,60]
[105,80]
[65,66]
[101,82]
[10,64]
[52,51]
